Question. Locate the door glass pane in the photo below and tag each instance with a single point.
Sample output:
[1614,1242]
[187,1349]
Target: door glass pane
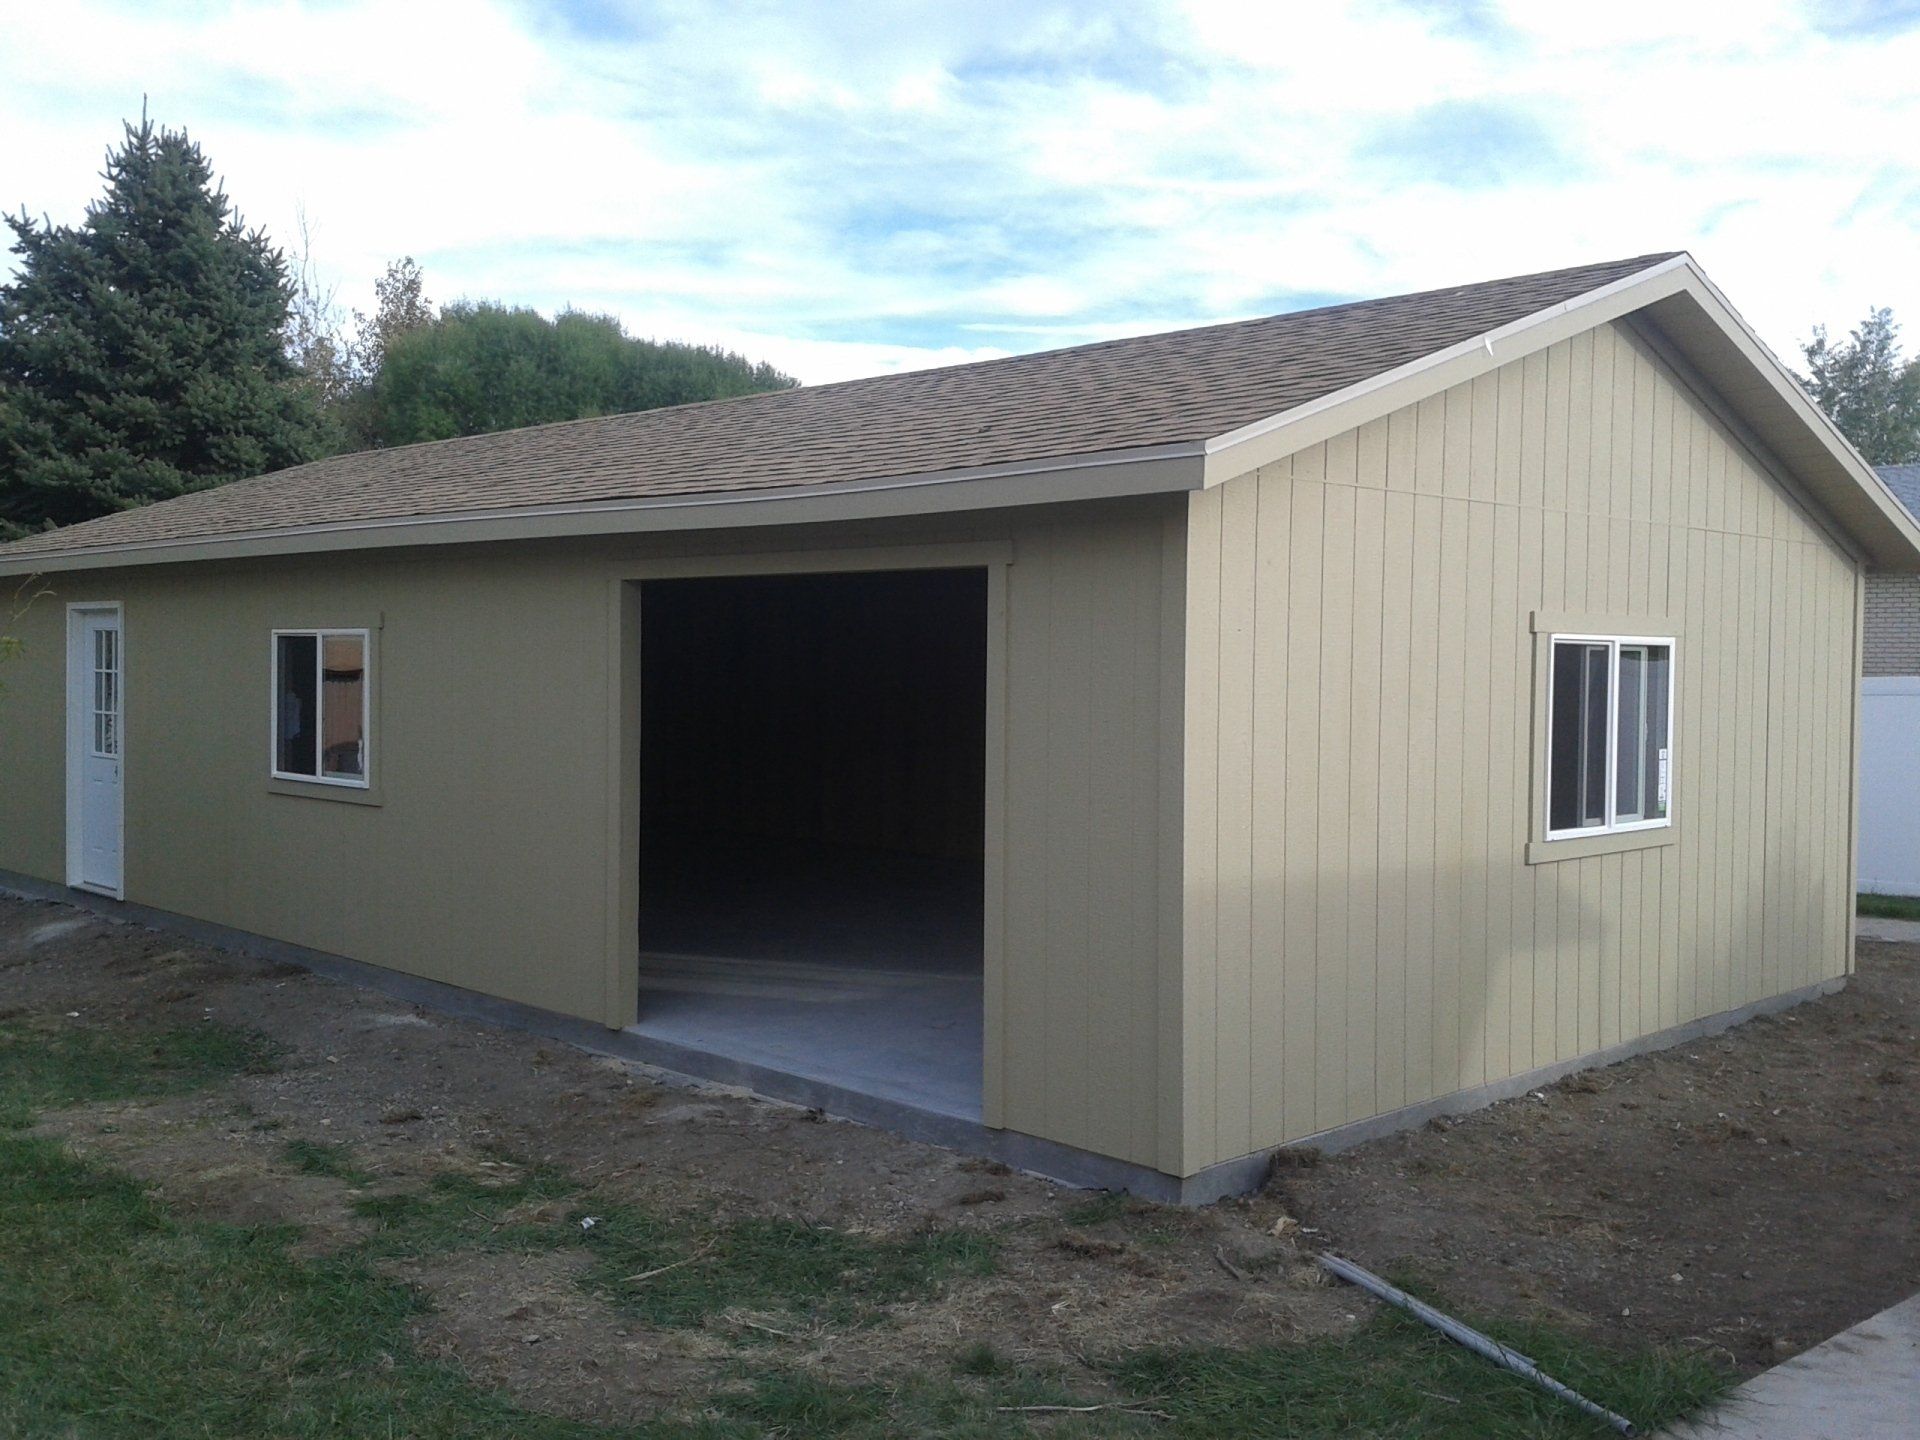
[296,705]
[106,693]
[343,749]
[1577,755]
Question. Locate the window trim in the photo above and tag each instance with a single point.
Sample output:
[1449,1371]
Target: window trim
[1613,642]
[320,634]
[1546,626]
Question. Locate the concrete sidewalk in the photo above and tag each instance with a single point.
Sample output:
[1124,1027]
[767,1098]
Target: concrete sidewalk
[1874,927]
[1863,1384]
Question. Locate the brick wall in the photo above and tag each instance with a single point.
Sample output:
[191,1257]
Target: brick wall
[1893,625]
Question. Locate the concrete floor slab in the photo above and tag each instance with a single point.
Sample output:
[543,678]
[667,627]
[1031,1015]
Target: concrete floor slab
[1863,1384]
[857,971]
[905,1035]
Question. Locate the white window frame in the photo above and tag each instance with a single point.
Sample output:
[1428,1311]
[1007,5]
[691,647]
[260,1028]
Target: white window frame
[320,634]
[1613,644]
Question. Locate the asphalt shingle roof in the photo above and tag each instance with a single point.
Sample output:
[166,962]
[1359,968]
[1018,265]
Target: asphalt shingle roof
[1904,481]
[1185,385]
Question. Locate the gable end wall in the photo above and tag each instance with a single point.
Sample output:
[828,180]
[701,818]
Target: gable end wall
[1362,930]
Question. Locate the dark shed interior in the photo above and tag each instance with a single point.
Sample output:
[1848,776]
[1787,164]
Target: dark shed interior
[813,752]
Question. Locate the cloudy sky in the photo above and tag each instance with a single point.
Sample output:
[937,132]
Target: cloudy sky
[850,187]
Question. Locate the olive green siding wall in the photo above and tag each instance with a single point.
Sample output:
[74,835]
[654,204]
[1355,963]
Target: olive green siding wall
[485,863]
[1362,930]
[33,806]
[1092,860]
[474,869]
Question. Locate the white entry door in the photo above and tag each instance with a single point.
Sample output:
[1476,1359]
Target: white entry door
[95,667]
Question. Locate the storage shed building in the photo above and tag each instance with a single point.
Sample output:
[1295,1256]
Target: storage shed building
[1122,760]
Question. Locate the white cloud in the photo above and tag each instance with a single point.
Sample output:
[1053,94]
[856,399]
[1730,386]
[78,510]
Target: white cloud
[873,186]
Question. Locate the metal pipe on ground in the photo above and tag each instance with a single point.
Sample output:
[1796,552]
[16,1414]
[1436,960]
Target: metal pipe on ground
[1485,1345]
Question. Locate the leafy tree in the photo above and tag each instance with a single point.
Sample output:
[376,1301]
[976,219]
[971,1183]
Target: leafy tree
[1872,394]
[325,358]
[337,363]
[141,353]
[401,306]
[482,367]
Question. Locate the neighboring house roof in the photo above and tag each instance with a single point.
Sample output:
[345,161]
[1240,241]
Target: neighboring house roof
[1173,411]
[1904,481]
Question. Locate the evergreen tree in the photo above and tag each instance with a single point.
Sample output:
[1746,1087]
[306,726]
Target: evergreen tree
[1872,394]
[141,353]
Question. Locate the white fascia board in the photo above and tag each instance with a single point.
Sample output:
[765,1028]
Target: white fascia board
[1264,441]
[1774,375]
[1159,469]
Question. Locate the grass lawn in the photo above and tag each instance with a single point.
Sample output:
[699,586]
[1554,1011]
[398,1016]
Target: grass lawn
[1889,907]
[119,1318]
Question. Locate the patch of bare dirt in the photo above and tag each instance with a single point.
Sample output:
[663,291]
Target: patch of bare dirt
[1759,1190]
[207,1162]
[522,1324]
[411,1093]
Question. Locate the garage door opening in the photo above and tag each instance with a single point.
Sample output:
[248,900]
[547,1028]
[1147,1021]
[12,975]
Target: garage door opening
[812,802]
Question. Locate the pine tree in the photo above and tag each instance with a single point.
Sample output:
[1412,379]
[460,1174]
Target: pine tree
[1872,393]
[141,353]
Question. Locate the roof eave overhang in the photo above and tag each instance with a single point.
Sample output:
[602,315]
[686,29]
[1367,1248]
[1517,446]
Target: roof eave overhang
[1687,309]
[1160,469]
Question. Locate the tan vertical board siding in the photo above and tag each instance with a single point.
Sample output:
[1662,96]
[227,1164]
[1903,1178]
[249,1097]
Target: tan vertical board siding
[1298,958]
[1162,894]
[1233,822]
[1366,771]
[1724,623]
[1267,871]
[1400,944]
[1067,1033]
[1422,782]
[1540,405]
[486,862]
[1200,1017]
[1333,894]
[1396,711]
[1856,651]
[1089,826]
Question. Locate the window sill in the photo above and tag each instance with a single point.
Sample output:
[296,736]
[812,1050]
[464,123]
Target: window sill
[1545,852]
[348,794]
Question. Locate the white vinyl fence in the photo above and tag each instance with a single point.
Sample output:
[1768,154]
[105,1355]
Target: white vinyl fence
[1890,784]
